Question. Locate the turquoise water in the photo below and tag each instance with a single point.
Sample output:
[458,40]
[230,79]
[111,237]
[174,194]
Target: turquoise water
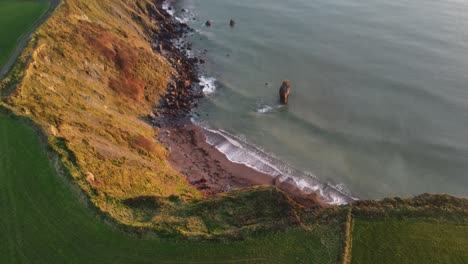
[379,103]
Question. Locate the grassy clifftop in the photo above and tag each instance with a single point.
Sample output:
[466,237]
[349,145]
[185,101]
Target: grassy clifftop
[91,77]
[88,79]
[43,222]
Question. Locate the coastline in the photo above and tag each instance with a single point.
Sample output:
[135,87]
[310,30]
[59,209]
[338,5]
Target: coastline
[204,166]
[86,189]
[257,224]
[211,172]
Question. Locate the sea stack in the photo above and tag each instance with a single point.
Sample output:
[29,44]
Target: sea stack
[284,91]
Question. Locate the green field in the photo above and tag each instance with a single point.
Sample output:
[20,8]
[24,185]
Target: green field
[43,221]
[409,241]
[16,18]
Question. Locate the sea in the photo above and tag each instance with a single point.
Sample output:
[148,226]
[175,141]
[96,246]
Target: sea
[379,97]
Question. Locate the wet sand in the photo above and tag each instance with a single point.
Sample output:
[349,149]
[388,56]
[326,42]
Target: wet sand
[210,171]
[206,168]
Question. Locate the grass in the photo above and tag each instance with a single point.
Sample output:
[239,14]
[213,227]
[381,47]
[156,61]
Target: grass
[88,78]
[42,221]
[409,241]
[16,18]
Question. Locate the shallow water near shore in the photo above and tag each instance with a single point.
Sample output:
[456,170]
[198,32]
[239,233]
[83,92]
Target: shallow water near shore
[379,103]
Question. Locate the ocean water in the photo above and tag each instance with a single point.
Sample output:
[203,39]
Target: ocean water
[379,101]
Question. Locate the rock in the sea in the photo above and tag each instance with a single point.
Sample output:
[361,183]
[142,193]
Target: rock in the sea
[208,23]
[284,91]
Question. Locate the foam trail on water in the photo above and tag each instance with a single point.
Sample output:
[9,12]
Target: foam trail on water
[241,152]
[264,109]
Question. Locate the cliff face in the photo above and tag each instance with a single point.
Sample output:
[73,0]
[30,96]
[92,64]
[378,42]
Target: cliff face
[91,79]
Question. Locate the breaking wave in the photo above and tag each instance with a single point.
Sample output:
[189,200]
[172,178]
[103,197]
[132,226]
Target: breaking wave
[208,84]
[239,151]
[166,5]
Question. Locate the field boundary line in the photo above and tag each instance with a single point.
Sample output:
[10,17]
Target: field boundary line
[346,257]
[23,41]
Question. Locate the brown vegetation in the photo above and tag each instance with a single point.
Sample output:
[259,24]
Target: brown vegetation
[125,57]
[91,75]
[87,79]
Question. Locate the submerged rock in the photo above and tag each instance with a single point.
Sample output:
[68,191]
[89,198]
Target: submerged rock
[284,91]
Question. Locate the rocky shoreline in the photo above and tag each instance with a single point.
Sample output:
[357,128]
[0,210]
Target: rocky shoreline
[205,167]
[210,171]
[181,94]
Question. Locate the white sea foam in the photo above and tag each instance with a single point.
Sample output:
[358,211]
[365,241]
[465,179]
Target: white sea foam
[183,20]
[167,7]
[209,84]
[264,109]
[241,152]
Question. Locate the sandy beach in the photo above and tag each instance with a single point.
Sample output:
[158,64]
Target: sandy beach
[210,171]
[204,166]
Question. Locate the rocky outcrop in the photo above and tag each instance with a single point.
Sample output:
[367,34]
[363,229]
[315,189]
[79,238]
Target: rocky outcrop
[284,91]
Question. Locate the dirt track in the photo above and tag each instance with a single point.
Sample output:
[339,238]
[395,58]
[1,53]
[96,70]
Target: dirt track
[24,40]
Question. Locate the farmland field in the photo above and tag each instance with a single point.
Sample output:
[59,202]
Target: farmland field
[398,241]
[43,221]
[16,18]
